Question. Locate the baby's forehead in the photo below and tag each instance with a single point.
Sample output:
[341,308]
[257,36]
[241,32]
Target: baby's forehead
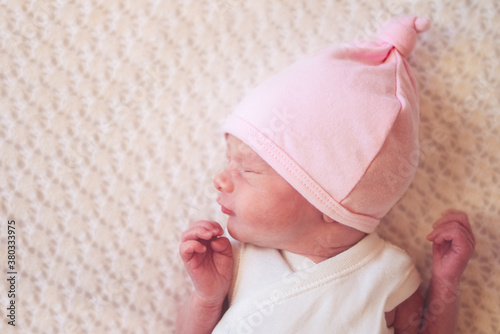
[237,148]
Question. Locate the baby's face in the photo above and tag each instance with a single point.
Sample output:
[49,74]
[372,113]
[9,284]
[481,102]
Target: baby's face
[263,208]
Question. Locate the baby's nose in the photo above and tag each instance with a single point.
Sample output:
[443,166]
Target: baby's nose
[223,182]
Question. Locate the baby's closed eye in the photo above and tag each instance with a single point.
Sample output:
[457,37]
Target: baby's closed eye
[247,170]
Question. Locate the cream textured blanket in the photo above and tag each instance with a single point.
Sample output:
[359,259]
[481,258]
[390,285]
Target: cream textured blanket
[110,115]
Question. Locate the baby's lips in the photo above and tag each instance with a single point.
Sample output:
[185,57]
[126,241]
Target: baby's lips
[224,209]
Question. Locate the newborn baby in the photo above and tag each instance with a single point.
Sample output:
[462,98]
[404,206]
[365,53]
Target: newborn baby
[317,155]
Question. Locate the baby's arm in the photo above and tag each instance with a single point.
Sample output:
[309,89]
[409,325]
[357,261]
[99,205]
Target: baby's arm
[208,258]
[453,244]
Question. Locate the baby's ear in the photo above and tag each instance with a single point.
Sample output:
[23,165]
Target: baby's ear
[328,219]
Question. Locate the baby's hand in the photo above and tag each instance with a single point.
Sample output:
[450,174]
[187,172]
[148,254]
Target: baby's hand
[453,244]
[208,258]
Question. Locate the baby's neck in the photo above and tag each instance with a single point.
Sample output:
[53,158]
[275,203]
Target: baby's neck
[325,250]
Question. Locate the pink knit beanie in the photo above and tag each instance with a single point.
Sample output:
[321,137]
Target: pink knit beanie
[341,126]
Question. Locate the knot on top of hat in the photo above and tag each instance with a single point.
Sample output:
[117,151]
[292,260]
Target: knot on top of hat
[402,32]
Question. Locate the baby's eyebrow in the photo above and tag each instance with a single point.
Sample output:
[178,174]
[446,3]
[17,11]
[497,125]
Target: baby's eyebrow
[253,160]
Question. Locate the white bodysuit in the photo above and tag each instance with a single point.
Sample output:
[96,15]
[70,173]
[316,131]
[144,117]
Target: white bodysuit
[277,292]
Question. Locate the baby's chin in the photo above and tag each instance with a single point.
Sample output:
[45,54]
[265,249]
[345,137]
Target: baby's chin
[236,231]
[247,237]
[232,231]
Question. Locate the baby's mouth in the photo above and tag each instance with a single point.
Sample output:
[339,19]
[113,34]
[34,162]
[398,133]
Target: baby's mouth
[224,210]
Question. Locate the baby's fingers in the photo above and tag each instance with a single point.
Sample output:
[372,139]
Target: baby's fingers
[222,245]
[204,230]
[455,233]
[211,225]
[189,248]
[453,215]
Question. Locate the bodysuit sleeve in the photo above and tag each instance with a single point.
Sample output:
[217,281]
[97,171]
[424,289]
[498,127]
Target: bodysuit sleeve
[409,282]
